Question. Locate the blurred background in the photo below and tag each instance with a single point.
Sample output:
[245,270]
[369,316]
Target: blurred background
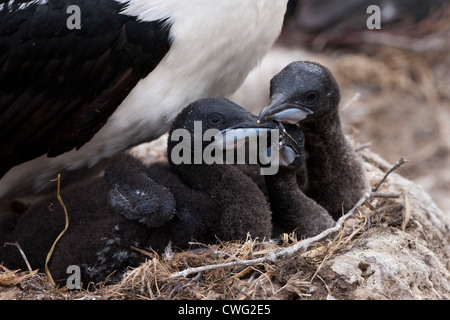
[395,81]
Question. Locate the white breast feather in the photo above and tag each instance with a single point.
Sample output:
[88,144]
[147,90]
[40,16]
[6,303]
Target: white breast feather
[216,43]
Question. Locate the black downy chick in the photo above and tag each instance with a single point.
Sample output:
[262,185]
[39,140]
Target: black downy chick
[134,205]
[291,209]
[307,94]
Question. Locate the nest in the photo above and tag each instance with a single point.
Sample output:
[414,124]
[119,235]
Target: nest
[239,270]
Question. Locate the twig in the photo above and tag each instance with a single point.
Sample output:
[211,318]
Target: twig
[407,215]
[142,251]
[307,242]
[190,271]
[284,252]
[363,146]
[355,98]
[385,195]
[392,169]
[21,252]
[329,296]
[49,255]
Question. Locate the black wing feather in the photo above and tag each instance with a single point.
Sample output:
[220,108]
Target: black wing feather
[58,86]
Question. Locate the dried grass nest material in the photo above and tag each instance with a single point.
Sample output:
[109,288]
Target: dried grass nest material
[252,269]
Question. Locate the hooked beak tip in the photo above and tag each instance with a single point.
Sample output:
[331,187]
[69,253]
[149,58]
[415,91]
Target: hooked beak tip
[261,119]
[280,110]
[276,100]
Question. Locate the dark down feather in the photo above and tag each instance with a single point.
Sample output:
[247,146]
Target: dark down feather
[335,175]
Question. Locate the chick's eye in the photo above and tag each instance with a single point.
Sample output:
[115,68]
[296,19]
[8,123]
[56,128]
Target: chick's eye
[215,119]
[311,97]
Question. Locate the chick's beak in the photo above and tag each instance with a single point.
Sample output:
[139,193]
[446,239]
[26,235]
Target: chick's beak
[280,110]
[236,135]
